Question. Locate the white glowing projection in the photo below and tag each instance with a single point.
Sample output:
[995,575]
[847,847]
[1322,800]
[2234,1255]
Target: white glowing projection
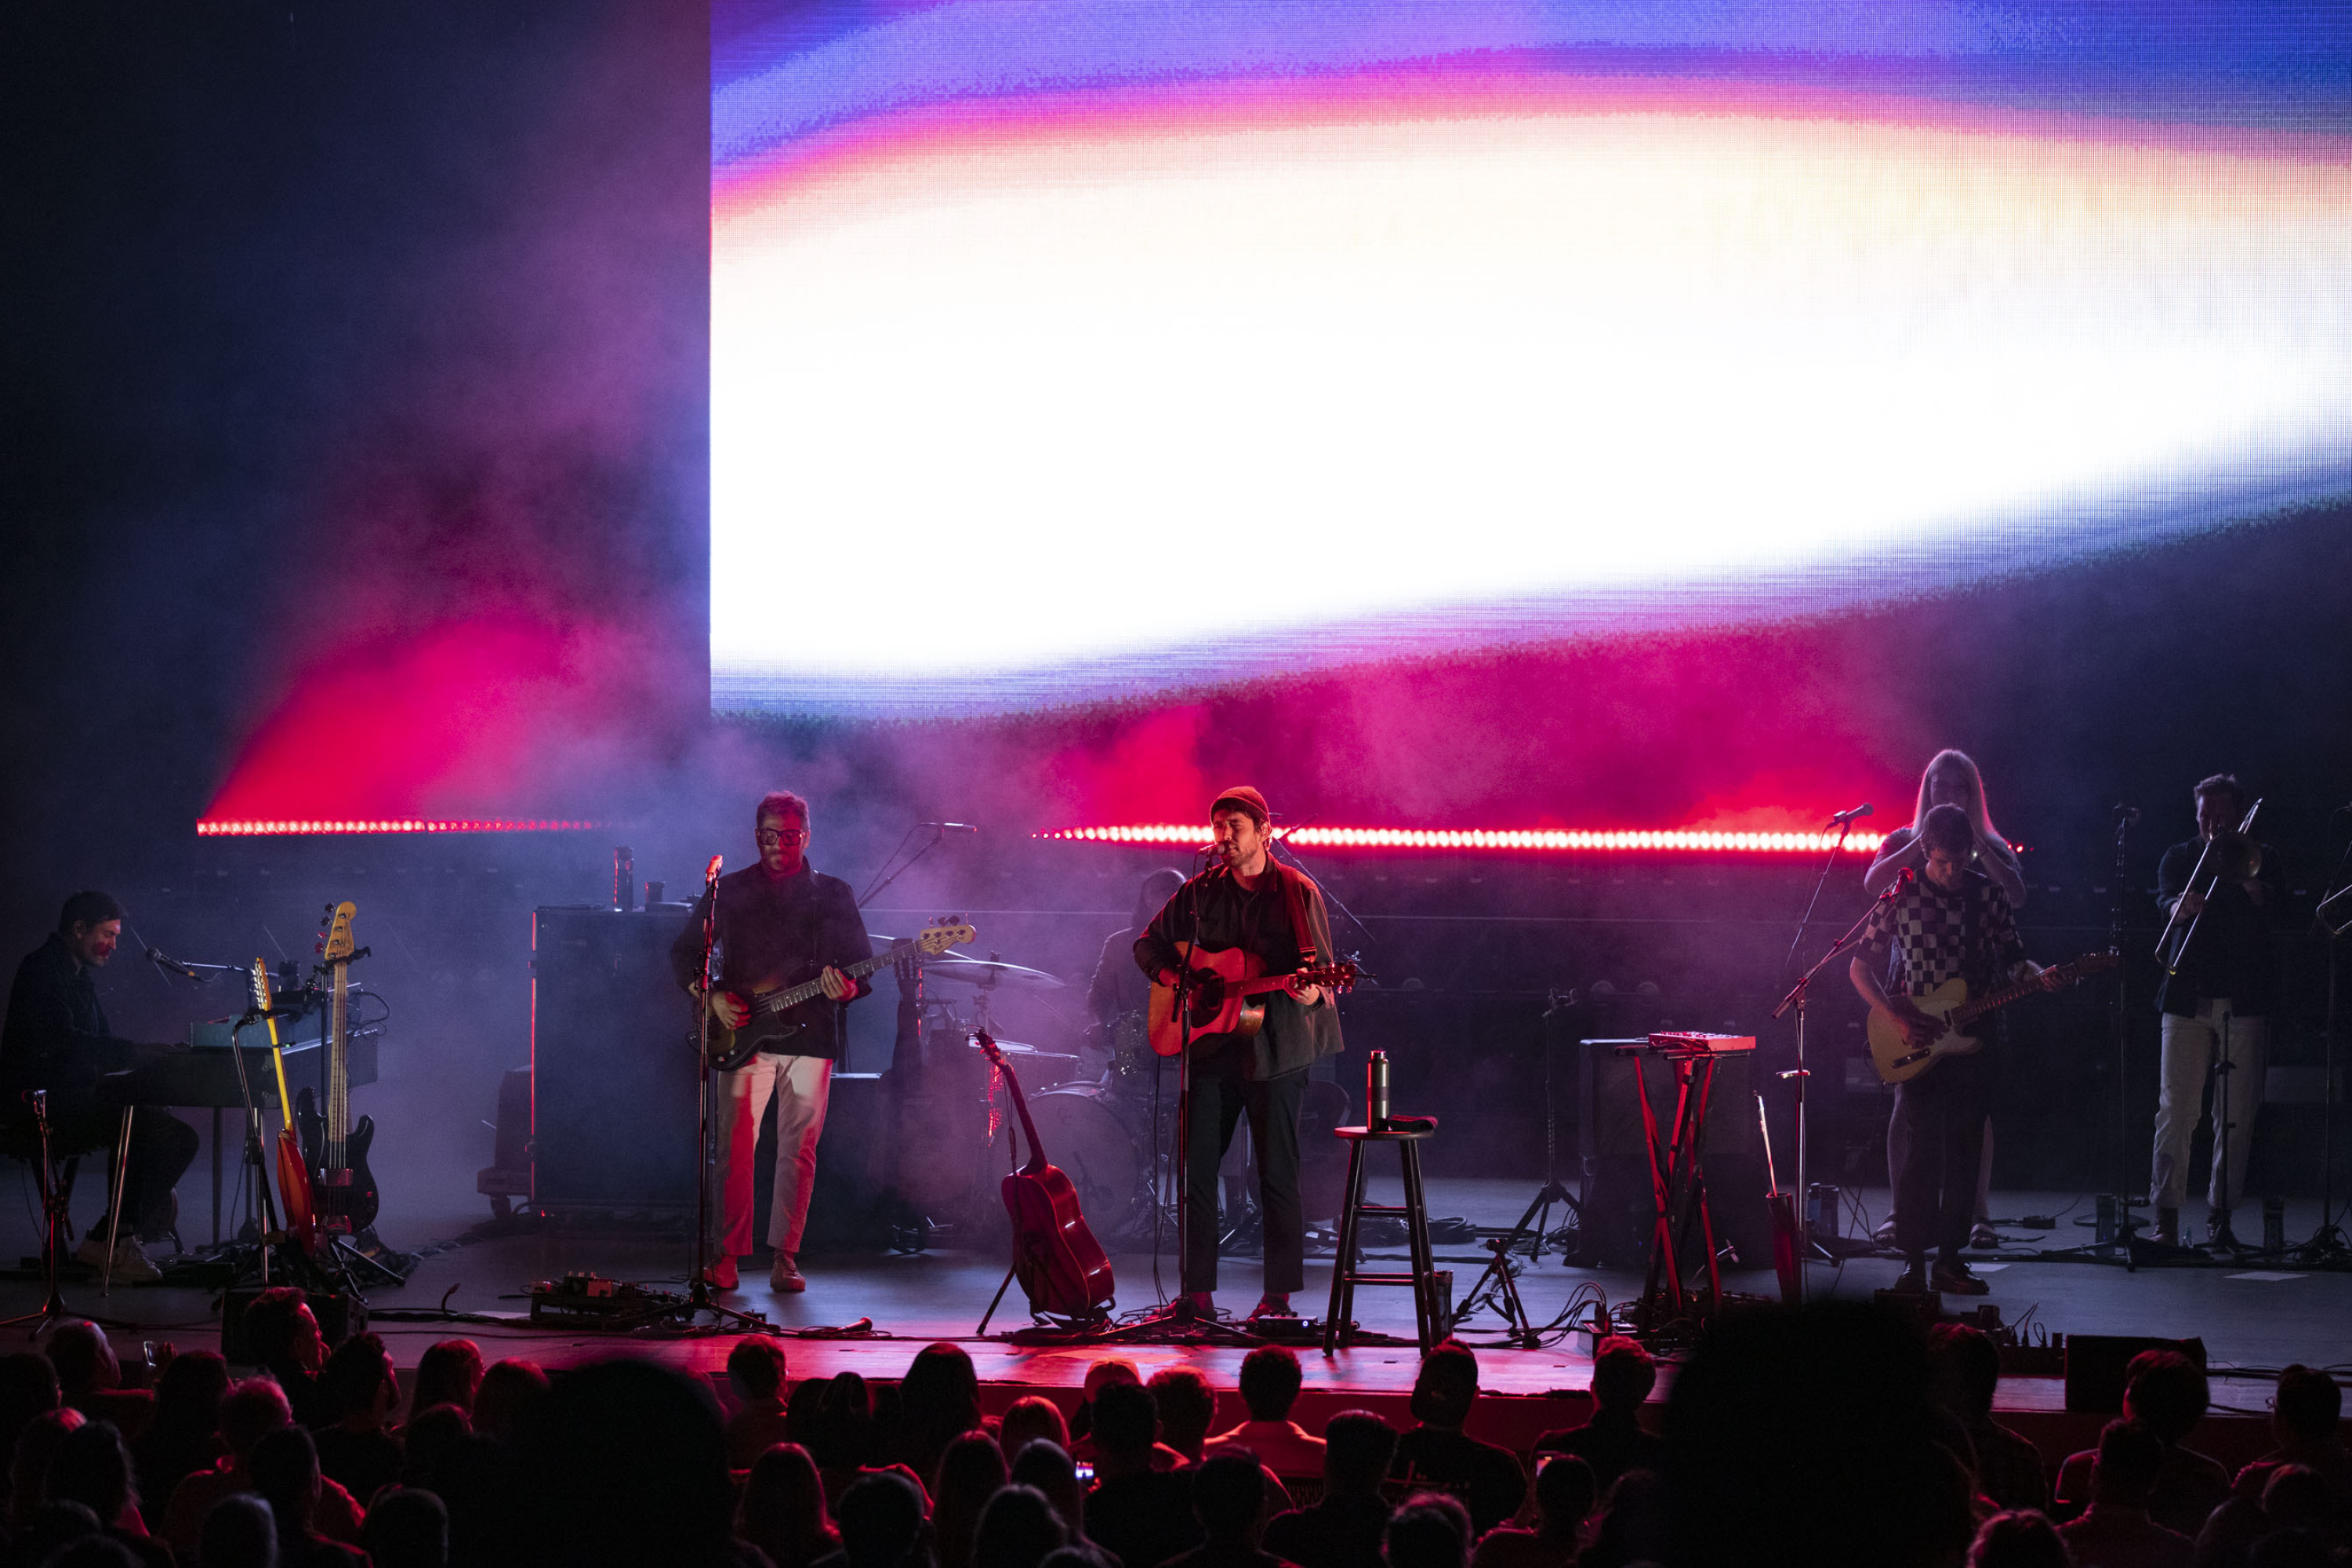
[1103,409]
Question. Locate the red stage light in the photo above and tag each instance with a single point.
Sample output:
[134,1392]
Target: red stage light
[1505,840]
[236,828]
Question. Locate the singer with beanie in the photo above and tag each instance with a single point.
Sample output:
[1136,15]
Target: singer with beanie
[1249,900]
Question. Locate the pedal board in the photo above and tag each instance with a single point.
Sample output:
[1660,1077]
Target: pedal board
[584,1301]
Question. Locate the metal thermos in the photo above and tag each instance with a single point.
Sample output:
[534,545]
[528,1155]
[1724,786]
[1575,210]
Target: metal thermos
[625,879]
[1376,1091]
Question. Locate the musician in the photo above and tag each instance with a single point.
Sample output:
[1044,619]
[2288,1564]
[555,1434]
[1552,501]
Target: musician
[56,1039]
[780,921]
[1119,988]
[1951,777]
[1248,901]
[2216,1003]
[1953,921]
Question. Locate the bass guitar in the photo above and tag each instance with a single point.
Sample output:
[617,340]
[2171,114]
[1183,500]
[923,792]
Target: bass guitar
[771,1028]
[293,1172]
[1217,1001]
[334,1152]
[1897,1058]
[1057,1258]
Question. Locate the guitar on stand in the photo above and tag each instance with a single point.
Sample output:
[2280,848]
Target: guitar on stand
[293,1175]
[343,1201]
[1061,1265]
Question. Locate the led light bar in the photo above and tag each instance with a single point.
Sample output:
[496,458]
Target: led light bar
[1700,841]
[244,829]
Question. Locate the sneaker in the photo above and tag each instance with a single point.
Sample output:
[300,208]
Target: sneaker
[130,1265]
[1273,1306]
[92,1250]
[1984,1238]
[1195,1305]
[2167,1226]
[1913,1281]
[786,1275]
[1954,1279]
[1885,1235]
[721,1275]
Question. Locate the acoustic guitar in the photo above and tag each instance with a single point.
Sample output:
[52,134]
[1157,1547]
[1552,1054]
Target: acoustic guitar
[1224,979]
[1057,1258]
[1897,1058]
[771,1026]
[343,1199]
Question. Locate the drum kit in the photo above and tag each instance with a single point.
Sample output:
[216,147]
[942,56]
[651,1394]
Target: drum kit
[1094,1109]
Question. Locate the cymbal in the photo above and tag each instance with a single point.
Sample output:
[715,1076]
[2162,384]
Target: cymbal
[989,973]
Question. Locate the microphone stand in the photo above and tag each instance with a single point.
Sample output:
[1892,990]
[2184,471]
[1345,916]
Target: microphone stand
[2124,1223]
[2335,916]
[1796,1076]
[1181,1163]
[54,1198]
[698,1290]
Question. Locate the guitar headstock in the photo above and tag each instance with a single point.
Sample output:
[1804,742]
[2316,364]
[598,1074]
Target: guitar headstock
[950,933]
[257,985]
[338,933]
[1339,976]
[2092,963]
[988,1047]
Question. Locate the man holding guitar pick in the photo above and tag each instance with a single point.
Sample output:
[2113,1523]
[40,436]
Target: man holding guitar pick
[1271,918]
[779,921]
[1953,922]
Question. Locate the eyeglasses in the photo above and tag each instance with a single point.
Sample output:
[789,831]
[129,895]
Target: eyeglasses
[768,836]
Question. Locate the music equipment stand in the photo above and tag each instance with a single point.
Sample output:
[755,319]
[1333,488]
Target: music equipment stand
[1518,1325]
[1678,1170]
[54,1197]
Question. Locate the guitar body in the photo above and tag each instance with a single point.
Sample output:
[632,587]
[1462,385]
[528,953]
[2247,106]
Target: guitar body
[730,1049]
[1216,1003]
[1896,1059]
[341,1202]
[780,1013]
[294,1186]
[1061,1267]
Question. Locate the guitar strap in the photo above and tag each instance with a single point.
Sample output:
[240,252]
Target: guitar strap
[1310,956]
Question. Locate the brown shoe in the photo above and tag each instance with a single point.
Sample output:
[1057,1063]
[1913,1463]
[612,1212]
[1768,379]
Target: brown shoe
[786,1274]
[721,1275]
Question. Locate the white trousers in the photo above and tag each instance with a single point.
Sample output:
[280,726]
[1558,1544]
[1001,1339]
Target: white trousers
[2209,1039]
[798,1086]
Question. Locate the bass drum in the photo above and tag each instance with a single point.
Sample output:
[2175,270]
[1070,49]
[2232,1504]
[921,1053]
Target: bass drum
[1105,1159]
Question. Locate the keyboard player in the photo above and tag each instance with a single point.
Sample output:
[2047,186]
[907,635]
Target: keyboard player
[56,1039]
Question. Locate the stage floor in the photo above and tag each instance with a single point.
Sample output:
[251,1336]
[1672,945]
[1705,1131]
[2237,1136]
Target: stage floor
[2255,1316]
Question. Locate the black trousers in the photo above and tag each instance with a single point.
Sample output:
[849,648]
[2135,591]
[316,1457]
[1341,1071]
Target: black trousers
[1218,1098]
[161,1147]
[1939,1129]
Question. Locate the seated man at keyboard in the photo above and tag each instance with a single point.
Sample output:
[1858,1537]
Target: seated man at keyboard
[56,1039]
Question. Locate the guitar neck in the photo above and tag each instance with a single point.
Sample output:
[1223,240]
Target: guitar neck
[1977,1007]
[1020,1106]
[778,1001]
[338,1095]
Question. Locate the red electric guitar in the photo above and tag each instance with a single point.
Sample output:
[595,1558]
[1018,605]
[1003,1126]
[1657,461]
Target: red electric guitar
[1060,1264]
[1224,980]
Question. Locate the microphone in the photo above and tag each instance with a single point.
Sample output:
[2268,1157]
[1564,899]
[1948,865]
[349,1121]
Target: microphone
[1843,817]
[952,826]
[155,957]
[710,872]
[2129,814]
[1902,880]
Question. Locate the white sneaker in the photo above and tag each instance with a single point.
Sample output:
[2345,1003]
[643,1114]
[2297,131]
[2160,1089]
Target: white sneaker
[92,1250]
[131,1263]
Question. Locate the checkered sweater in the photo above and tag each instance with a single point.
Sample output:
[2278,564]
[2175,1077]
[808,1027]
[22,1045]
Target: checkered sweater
[1925,935]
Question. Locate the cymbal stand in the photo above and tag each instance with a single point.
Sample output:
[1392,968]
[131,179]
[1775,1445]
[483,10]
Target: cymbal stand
[53,1197]
[1505,1299]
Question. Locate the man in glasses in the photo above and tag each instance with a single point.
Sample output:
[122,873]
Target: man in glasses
[780,923]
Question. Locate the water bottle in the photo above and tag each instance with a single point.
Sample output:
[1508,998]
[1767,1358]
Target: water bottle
[625,879]
[1376,1092]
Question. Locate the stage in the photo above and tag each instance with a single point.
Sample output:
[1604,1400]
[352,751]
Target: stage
[2253,1316]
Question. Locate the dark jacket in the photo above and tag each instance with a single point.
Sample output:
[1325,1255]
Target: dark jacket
[2233,955]
[1258,922]
[57,1036]
[776,932]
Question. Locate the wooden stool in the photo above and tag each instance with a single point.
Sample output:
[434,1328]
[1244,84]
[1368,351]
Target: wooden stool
[1427,1310]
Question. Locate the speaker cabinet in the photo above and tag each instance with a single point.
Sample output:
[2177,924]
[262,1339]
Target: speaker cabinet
[614,1100]
[1617,1198]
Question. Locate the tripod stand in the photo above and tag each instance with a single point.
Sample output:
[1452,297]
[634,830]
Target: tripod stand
[2327,1244]
[1506,1295]
[52,1309]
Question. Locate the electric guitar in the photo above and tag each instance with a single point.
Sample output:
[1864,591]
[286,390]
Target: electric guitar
[334,1152]
[293,1174]
[1060,1264]
[768,1029]
[1897,1058]
[1224,979]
